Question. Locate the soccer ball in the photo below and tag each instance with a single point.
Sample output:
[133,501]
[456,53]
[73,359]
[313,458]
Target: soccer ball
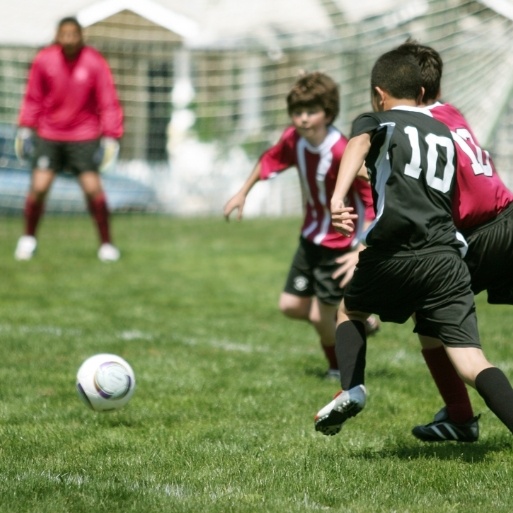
[105,382]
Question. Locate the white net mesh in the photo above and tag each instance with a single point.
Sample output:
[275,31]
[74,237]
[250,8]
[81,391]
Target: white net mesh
[201,105]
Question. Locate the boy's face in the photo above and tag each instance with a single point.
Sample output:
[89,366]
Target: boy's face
[311,122]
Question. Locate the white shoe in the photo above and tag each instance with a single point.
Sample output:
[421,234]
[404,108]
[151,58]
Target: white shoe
[25,248]
[108,253]
[345,405]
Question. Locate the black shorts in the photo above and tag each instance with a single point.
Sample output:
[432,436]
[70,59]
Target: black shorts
[490,258]
[433,283]
[67,157]
[311,270]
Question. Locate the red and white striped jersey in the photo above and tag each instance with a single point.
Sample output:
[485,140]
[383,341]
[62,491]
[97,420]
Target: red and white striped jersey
[318,168]
[479,194]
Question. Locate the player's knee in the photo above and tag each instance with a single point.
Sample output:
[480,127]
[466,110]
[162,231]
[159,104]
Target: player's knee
[293,313]
[38,194]
[292,309]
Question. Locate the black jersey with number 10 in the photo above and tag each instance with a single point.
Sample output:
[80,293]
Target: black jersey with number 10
[411,163]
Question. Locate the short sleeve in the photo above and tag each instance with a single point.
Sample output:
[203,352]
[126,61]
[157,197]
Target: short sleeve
[365,123]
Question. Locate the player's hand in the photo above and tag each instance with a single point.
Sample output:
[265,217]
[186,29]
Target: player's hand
[24,143]
[235,203]
[342,219]
[347,265]
[107,153]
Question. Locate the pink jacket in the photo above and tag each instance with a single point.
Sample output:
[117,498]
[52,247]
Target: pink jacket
[71,100]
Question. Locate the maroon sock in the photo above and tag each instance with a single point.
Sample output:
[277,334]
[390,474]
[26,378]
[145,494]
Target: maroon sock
[100,213]
[33,212]
[451,387]
[331,356]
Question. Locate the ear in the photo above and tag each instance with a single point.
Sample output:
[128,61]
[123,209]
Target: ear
[378,99]
[420,99]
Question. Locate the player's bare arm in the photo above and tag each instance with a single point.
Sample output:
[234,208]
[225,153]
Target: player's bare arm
[237,201]
[342,217]
[363,173]
[350,165]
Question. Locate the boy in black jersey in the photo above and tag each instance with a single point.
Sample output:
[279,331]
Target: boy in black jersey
[413,261]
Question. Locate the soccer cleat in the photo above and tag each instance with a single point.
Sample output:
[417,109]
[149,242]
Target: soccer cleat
[26,247]
[345,405]
[108,253]
[372,325]
[442,429]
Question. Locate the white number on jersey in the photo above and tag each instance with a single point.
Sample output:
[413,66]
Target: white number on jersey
[433,141]
[480,158]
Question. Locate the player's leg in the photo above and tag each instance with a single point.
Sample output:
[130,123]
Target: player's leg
[364,294]
[307,309]
[490,382]
[323,316]
[45,161]
[41,182]
[489,253]
[298,301]
[96,203]
[295,307]
[351,346]
[455,421]
[98,208]
[327,278]
[455,323]
[82,160]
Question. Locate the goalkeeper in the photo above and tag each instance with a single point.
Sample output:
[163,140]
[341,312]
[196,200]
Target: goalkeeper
[70,121]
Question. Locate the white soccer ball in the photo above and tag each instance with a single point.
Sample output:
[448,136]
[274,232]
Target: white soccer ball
[105,382]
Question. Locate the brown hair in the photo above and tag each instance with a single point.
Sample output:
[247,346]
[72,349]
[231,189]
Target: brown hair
[315,88]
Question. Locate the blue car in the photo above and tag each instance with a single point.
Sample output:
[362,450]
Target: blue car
[123,194]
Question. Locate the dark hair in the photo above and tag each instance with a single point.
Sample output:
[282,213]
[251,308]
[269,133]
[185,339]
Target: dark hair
[398,74]
[315,88]
[431,66]
[69,19]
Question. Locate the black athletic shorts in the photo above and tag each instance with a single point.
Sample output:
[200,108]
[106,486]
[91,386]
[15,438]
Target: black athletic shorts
[311,270]
[432,283]
[490,258]
[73,157]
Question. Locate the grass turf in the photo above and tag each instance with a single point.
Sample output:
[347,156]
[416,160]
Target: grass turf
[222,418]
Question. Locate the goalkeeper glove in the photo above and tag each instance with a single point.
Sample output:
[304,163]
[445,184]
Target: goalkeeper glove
[24,143]
[107,153]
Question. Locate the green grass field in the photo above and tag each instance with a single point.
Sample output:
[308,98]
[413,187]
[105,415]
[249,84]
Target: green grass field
[222,418]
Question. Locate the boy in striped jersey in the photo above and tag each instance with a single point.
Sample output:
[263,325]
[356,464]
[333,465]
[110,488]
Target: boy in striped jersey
[324,261]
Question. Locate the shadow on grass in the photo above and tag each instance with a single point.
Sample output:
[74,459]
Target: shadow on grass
[372,376]
[466,452]
[320,373]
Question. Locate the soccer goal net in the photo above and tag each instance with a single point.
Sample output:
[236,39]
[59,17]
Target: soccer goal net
[202,102]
